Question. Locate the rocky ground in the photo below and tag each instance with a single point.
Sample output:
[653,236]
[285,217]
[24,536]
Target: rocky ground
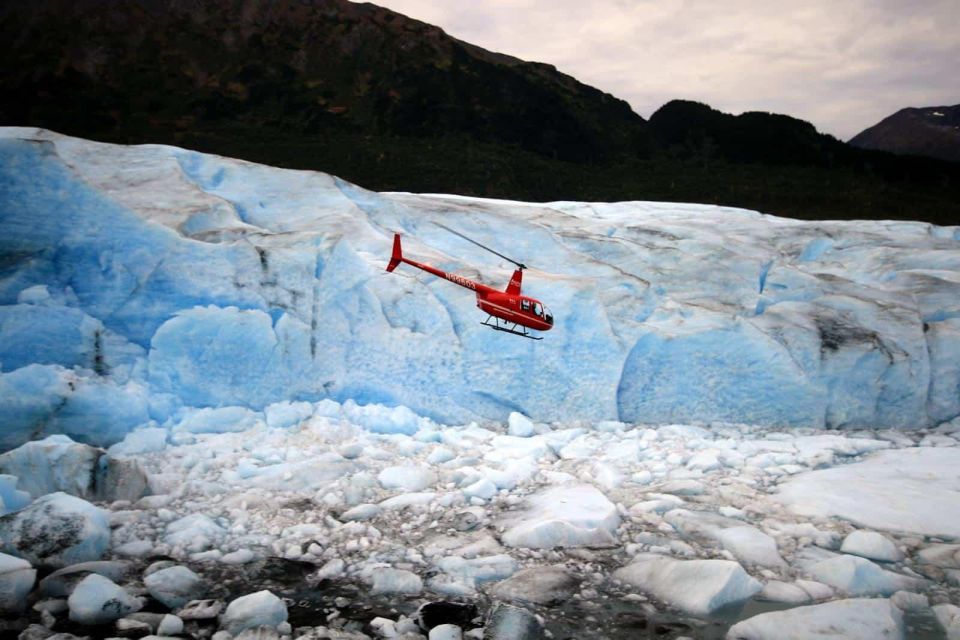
[306,525]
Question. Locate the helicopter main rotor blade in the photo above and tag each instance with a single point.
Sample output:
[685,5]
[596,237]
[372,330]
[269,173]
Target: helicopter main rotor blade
[482,246]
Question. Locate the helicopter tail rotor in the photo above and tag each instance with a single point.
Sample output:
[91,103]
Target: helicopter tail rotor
[397,256]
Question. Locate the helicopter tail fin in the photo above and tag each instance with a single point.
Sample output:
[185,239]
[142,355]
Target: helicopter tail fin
[397,256]
[514,286]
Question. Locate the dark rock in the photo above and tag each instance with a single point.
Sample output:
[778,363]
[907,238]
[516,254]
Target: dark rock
[433,614]
[120,479]
[635,621]
[35,632]
[672,628]
[282,570]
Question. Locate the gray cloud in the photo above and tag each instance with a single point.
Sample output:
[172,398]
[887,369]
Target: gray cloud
[841,64]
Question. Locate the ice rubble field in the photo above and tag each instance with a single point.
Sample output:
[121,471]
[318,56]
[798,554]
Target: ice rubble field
[851,535]
[267,390]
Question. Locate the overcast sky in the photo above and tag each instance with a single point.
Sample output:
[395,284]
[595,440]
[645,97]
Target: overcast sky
[841,64]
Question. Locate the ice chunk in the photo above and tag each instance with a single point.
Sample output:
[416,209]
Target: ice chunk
[446,632]
[520,425]
[567,516]
[441,455]
[407,478]
[332,569]
[816,590]
[507,448]
[60,464]
[776,591]
[134,549]
[682,488]
[56,463]
[406,500]
[482,488]
[482,569]
[286,414]
[98,600]
[193,533]
[906,601]
[507,622]
[56,530]
[546,586]
[697,587]
[175,586]
[395,581]
[36,294]
[170,625]
[305,475]
[705,527]
[61,582]
[380,419]
[859,577]
[751,546]
[911,490]
[360,512]
[946,556]
[656,503]
[201,610]
[41,399]
[11,498]
[222,420]
[872,545]
[948,616]
[260,609]
[16,581]
[857,619]
[140,441]
[704,461]
[240,556]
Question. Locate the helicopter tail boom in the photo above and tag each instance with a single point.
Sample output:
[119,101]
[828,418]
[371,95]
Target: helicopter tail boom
[397,256]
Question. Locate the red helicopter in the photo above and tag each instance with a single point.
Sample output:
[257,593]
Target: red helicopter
[513,308]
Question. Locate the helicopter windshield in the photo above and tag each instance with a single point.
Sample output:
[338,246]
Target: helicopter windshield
[547,315]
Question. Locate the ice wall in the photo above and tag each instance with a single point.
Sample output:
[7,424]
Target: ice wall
[138,281]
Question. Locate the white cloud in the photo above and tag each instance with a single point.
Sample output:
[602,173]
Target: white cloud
[841,64]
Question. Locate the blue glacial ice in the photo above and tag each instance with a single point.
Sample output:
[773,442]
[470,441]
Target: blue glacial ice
[139,285]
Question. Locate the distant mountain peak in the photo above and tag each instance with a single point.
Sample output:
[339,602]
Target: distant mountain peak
[923,131]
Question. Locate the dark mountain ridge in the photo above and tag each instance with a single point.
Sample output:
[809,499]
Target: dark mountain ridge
[389,102]
[929,131]
[301,66]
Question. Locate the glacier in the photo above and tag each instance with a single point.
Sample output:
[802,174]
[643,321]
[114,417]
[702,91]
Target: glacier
[142,284]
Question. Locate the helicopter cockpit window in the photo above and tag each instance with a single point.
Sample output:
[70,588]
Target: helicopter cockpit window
[538,308]
[525,305]
[547,315]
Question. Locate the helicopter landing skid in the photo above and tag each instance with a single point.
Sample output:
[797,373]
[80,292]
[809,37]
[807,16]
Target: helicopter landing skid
[496,326]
